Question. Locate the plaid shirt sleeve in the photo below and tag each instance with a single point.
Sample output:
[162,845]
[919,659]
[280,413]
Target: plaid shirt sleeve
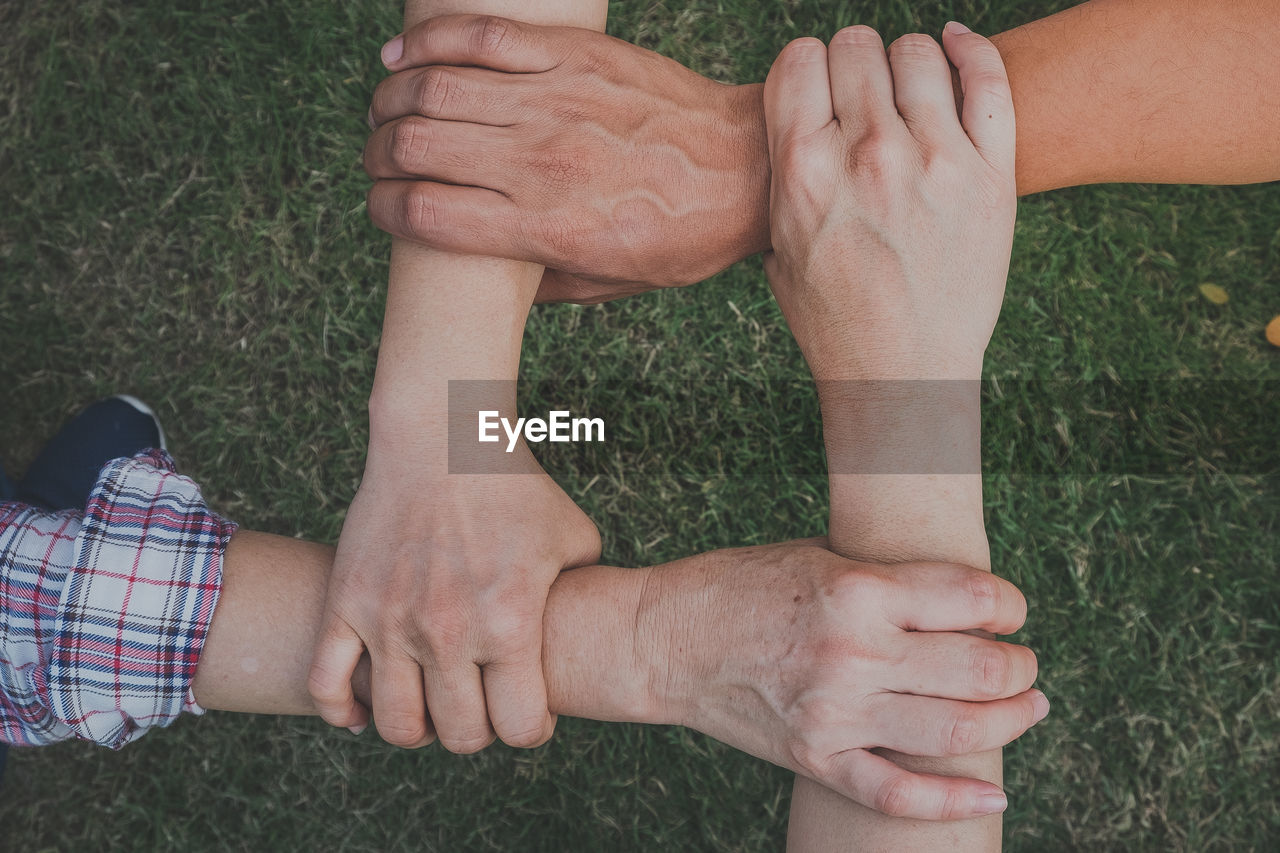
[103,614]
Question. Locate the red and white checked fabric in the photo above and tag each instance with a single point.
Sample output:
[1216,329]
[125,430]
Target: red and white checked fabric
[103,614]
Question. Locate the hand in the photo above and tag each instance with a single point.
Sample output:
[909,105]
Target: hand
[618,169]
[891,218]
[808,660]
[444,579]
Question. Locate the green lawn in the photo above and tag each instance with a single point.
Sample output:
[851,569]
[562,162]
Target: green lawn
[183,219]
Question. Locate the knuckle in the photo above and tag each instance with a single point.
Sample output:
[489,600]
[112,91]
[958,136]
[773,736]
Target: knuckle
[436,90]
[594,63]
[988,84]
[321,685]
[510,631]
[953,805]
[964,734]
[421,212]
[409,140]
[493,35]
[984,594]
[444,628]
[874,156]
[862,588]
[991,671]
[894,796]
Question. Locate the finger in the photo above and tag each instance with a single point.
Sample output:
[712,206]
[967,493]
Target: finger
[329,681]
[797,93]
[465,220]
[922,89]
[399,710]
[485,41]
[516,697]
[942,597]
[987,110]
[861,83]
[473,95]
[921,725]
[880,784]
[961,666]
[452,152]
[455,697]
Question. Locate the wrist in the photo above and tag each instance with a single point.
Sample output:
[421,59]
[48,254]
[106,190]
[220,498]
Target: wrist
[840,353]
[407,423]
[748,140]
[598,662]
[902,426]
[905,470]
[674,613]
[427,416]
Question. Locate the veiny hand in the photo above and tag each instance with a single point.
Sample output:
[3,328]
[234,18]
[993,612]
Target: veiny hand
[891,218]
[808,660]
[619,170]
[444,580]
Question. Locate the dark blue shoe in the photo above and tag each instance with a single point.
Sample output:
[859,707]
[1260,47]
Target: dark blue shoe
[64,473]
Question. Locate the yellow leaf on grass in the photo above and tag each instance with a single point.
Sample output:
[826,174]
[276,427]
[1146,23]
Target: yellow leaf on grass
[1215,294]
[1273,331]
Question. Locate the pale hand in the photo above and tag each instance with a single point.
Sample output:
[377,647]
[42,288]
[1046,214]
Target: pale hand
[443,579]
[810,661]
[891,217]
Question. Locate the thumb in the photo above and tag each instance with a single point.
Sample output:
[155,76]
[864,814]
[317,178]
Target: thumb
[329,682]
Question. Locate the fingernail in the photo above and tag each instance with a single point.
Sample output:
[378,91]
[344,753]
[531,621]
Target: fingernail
[991,804]
[1040,704]
[369,118]
[956,28]
[393,50]
[355,730]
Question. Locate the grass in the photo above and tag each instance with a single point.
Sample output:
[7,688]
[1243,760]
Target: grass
[184,221]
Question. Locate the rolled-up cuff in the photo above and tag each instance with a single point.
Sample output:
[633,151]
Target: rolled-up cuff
[138,600]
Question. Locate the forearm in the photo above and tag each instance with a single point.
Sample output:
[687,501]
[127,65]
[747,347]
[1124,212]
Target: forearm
[905,470]
[1163,91]
[1124,91]
[448,316]
[904,486]
[258,650]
